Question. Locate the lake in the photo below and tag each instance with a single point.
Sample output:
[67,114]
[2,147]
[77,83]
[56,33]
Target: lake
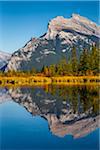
[49,117]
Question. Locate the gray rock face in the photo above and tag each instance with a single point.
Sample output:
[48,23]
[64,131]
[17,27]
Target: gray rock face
[61,36]
[76,23]
[4,58]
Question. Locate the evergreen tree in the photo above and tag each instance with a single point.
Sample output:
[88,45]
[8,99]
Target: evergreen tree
[84,62]
[94,60]
[52,70]
[69,68]
[74,61]
[46,71]
[62,67]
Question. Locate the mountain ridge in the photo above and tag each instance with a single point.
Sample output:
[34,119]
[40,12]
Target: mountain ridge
[58,41]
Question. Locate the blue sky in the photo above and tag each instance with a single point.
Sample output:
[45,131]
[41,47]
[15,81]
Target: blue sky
[22,20]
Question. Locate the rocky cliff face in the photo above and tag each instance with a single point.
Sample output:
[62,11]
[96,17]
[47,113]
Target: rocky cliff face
[61,36]
[76,24]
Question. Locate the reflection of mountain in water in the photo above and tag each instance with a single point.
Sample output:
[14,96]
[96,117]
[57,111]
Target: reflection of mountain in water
[4,96]
[69,110]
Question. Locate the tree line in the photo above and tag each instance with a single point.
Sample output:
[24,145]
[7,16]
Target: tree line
[86,64]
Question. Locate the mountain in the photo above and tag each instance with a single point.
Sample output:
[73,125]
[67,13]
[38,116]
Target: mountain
[61,36]
[4,58]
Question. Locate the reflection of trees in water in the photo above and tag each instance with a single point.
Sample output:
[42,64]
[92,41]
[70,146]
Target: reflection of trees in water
[80,98]
[69,110]
[60,99]
[90,98]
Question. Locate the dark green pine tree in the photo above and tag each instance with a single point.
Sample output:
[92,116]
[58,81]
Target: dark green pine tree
[74,61]
[62,67]
[84,62]
[94,60]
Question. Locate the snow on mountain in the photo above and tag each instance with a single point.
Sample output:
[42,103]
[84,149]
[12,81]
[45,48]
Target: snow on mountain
[61,36]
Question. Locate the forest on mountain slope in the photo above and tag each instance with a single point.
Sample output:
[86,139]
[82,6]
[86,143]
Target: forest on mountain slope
[86,65]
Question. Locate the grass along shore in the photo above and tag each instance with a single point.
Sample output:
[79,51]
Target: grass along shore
[58,80]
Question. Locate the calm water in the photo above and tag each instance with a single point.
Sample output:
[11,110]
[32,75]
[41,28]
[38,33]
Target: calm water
[51,118]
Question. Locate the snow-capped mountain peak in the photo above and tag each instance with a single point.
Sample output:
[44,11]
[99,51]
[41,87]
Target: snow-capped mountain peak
[61,36]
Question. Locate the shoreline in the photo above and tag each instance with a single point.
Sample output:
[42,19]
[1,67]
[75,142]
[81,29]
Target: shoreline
[42,80]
